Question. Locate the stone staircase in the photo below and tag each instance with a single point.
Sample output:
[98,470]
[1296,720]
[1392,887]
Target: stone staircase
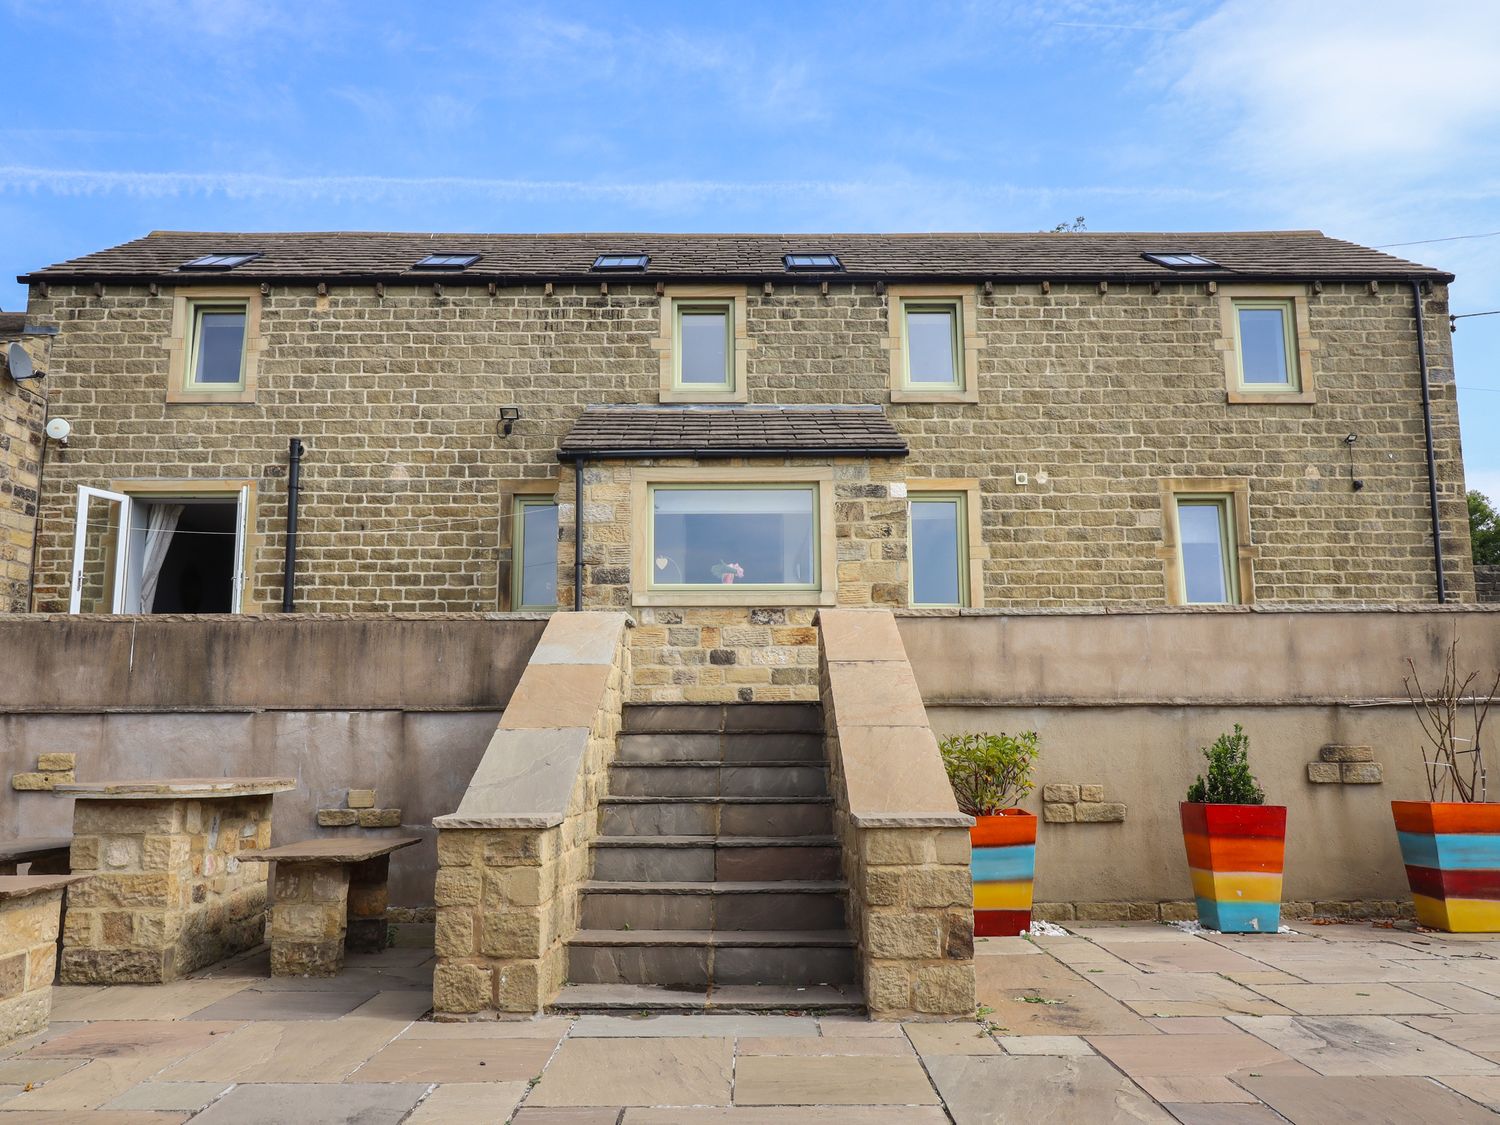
[716,876]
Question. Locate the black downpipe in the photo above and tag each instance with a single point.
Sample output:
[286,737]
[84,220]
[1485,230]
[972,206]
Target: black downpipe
[1432,495]
[578,534]
[293,486]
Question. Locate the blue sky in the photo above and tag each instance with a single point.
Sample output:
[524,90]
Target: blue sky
[1376,121]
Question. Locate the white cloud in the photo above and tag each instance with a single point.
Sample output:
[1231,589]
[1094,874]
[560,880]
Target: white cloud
[1391,86]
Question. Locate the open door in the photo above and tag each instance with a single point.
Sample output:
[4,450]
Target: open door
[241,531]
[99,552]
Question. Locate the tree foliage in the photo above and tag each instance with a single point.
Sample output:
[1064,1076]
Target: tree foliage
[1229,780]
[1484,529]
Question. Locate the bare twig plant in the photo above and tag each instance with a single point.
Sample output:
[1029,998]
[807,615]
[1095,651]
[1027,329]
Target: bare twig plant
[1455,768]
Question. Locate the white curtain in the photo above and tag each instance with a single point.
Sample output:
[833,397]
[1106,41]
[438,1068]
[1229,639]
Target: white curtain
[160,525]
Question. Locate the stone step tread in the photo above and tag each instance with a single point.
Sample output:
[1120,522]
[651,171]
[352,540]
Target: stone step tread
[716,841]
[632,799]
[759,939]
[784,887]
[726,998]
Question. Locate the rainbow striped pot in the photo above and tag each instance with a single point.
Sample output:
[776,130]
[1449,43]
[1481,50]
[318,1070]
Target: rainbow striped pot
[1003,863]
[1235,855]
[1452,856]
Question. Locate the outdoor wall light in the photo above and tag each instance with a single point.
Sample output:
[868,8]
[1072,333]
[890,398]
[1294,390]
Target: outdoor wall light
[1353,480]
[509,416]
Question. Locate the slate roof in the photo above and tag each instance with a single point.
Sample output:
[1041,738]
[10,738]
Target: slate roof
[353,256]
[704,432]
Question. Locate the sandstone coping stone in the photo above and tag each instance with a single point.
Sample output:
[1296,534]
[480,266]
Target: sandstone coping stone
[23,886]
[572,638]
[172,788]
[339,849]
[524,780]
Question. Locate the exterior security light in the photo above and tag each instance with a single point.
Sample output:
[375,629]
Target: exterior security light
[509,416]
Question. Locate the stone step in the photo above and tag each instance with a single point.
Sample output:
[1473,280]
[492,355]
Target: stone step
[684,717]
[714,816]
[726,859]
[698,958]
[701,746]
[636,998]
[712,779]
[687,905]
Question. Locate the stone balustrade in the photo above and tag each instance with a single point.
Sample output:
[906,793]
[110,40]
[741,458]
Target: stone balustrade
[905,842]
[511,858]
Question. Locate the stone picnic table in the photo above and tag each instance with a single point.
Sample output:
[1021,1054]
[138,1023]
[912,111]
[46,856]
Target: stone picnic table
[30,906]
[170,892]
[330,895]
[48,855]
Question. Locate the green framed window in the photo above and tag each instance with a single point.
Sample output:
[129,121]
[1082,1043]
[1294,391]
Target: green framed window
[1265,346]
[533,568]
[939,549]
[1207,551]
[755,535]
[216,355]
[932,347]
[703,346]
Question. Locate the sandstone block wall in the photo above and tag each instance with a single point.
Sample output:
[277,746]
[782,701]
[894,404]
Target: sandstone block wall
[169,892]
[22,409]
[397,398]
[1487,583]
[28,962]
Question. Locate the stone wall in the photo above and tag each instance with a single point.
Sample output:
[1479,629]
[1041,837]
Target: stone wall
[1125,701]
[22,412]
[29,916]
[904,843]
[512,857]
[1487,583]
[1095,396]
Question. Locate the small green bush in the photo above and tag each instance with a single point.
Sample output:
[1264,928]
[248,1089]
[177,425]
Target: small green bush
[989,772]
[1229,781]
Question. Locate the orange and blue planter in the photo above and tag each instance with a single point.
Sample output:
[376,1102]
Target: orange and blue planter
[1003,864]
[1235,855]
[1452,854]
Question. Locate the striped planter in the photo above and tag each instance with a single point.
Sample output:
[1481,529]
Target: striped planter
[1003,864]
[1235,855]
[1452,856]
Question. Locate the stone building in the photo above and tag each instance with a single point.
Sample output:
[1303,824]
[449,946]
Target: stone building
[22,416]
[763,425]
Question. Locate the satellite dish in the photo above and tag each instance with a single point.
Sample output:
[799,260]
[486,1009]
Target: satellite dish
[18,359]
[59,429]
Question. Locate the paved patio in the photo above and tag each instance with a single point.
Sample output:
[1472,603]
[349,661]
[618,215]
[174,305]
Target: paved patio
[1113,1023]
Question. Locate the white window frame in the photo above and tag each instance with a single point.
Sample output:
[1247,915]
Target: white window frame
[86,496]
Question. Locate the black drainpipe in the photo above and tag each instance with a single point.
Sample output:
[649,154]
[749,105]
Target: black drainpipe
[293,479]
[578,534]
[1432,495]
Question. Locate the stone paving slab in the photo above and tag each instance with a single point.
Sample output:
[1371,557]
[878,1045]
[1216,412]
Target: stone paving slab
[469,1103]
[1368,1045]
[253,1004]
[283,1052]
[694,1027]
[951,1039]
[347,1103]
[643,1072]
[188,1097]
[1040,1090]
[457,1060]
[781,1081]
[1368,1100]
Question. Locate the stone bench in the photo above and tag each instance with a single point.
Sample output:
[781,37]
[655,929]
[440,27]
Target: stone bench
[330,895]
[30,912]
[48,855]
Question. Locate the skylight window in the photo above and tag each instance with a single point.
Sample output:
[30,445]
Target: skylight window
[1181,261]
[447,262]
[796,262]
[621,261]
[219,261]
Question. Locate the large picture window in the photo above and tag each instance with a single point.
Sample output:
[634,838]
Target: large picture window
[733,535]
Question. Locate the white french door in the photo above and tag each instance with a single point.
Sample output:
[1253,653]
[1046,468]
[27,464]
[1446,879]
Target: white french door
[100,546]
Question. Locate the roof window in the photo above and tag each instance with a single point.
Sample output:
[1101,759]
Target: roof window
[621,261]
[219,261]
[815,262]
[446,262]
[1180,260]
